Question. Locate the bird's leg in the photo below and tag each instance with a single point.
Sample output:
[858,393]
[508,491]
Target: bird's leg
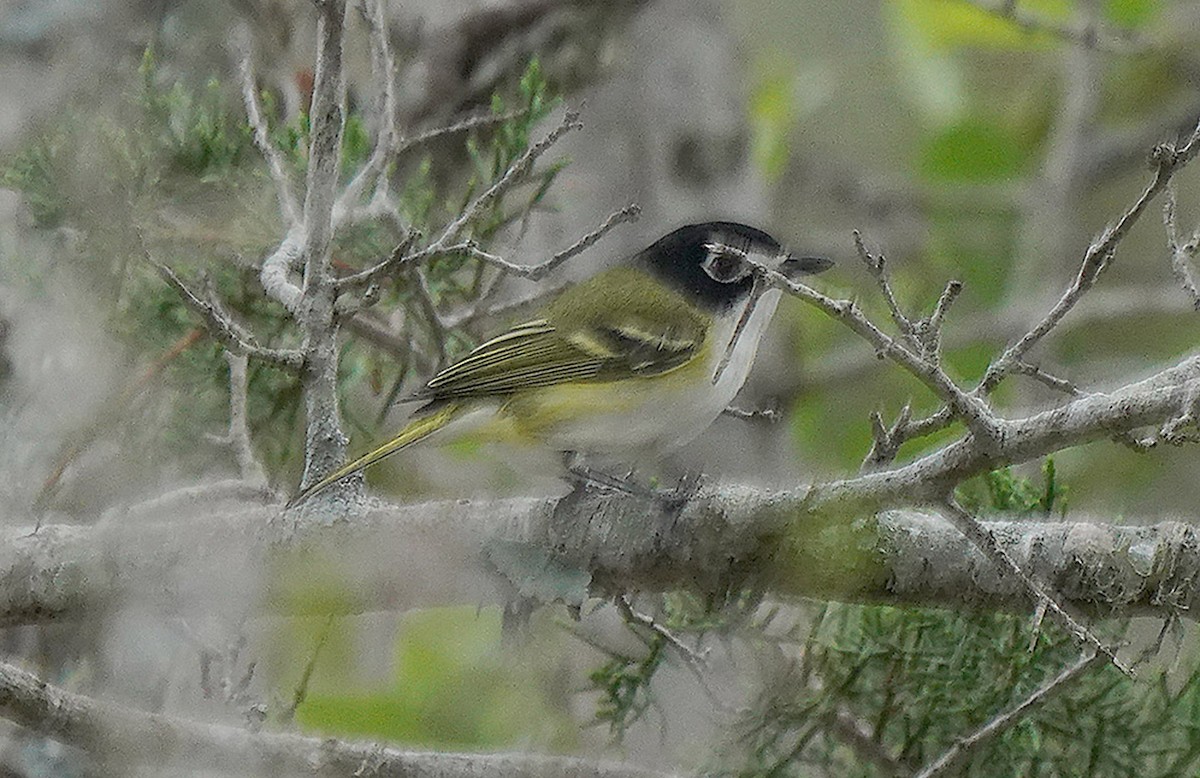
[689,486]
[579,473]
[674,500]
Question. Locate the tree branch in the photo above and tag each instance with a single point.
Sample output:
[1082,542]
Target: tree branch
[1044,596]
[262,138]
[1182,252]
[383,72]
[238,436]
[974,412]
[1168,160]
[222,327]
[404,557]
[442,245]
[123,736]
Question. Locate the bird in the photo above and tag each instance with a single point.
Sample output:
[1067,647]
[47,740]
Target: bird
[630,364]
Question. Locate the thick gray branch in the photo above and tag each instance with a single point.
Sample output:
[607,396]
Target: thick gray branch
[819,541]
[398,558]
[1152,401]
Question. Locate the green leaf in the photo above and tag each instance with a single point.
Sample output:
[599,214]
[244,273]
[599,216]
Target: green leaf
[974,151]
[454,685]
[1131,14]
[772,115]
[949,24]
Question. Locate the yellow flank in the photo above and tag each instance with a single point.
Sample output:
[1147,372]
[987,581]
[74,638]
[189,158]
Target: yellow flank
[535,414]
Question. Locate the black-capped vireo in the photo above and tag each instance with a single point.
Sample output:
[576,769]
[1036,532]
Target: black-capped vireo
[633,362]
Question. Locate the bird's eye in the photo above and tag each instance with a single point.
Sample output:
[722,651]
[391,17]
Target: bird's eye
[725,265]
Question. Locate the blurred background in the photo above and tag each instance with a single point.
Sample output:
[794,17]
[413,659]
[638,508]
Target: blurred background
[984,142]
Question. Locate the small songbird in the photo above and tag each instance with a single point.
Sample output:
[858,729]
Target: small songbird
[631,363]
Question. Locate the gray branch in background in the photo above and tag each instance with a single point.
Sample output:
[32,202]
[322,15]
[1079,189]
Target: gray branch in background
[125,738]
[238,435]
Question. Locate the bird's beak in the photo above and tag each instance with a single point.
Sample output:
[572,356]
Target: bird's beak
[792,266]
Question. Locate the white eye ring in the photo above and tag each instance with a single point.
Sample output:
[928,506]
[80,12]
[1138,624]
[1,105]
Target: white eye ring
[725,264]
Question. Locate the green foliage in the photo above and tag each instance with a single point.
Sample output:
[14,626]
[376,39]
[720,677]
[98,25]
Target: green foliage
[772,113]
[33,172]
[197,131]
[623,683]
[973,150]
[1002,491]
[919,679]
[356,142]
[491,159]
[947,25]
[1132,14]
[175,166]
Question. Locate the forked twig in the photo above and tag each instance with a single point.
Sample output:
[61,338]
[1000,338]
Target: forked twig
[1168,160]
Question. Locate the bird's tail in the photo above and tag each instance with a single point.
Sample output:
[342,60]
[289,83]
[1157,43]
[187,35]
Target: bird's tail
[415,431]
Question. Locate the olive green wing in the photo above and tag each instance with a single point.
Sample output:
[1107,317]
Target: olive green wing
[540,354]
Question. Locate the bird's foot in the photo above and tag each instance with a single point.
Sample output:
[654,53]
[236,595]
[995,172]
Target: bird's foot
[673,500]
[622,484]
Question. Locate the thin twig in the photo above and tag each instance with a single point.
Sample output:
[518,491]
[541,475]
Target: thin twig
[517,171]
[1052,381]
[886,441]
[1174,430]
[876,265]
[284,188]
[696,662]
[442,245]
[629,213]
[420,283]
[1168,161]
[301,692]
[383,72]
[856,734]
[476,311]
[463,125]
[1182,253]
[1035,625]
[238,436]
[224,329]
[964,748]
[121,401]
[929,330]
[978,417]
[986,542]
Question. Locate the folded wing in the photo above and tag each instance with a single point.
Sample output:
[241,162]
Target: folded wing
[539,354]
